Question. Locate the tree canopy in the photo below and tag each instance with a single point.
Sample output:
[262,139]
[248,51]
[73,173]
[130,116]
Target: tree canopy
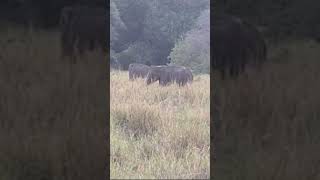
[154,28]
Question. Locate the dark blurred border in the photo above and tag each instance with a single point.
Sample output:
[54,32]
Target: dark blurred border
[18,155]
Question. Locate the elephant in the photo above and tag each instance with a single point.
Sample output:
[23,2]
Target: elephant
[236,43]
[83,28]
[169,74]
[138,70]
[255,44]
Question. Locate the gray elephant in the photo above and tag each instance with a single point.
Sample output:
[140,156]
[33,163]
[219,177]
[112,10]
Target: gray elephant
[236,43]
[138,70]
[83,28]
[169,74]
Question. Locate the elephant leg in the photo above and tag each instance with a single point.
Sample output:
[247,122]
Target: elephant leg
[80,46]
[231,71]
[243,67]
[182,83]
[178,82]
[66,50]
[242,64]
[103,45]
[68,43]
[223,73]
[161,82]
[91,45]
[83,45]
[234,70]
[130,76]
[237,69]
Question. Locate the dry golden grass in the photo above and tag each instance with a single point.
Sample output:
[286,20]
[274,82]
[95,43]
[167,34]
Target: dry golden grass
[52,114]
[159,132]
[269,120]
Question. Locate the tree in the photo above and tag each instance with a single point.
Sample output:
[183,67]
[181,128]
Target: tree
[155,25]
[193,50]
[116,25]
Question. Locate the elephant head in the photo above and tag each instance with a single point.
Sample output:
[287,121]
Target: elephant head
[155,73]
[138,70]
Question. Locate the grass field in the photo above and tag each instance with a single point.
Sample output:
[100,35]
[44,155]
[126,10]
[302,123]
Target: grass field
[159,132]
[53,117]
[269,119]
[52,113]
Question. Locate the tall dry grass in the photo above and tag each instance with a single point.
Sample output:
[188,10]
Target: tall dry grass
[159,132]
[269,120]
[52,114]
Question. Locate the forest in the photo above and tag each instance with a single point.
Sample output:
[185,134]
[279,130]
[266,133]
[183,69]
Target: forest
[160,32]
[140,32]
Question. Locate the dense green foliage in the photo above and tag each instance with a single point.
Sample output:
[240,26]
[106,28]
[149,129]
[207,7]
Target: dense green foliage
[154,28]
[194,48]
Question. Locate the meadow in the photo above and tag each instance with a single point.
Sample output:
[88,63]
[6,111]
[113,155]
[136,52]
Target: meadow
[53,117]
[159,132]
[52,113]
[268,121]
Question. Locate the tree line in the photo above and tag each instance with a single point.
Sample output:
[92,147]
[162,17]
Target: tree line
[282,19]
[161,32]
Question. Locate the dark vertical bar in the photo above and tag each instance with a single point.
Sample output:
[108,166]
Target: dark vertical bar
[107,132]
[212,85]
[54,114]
